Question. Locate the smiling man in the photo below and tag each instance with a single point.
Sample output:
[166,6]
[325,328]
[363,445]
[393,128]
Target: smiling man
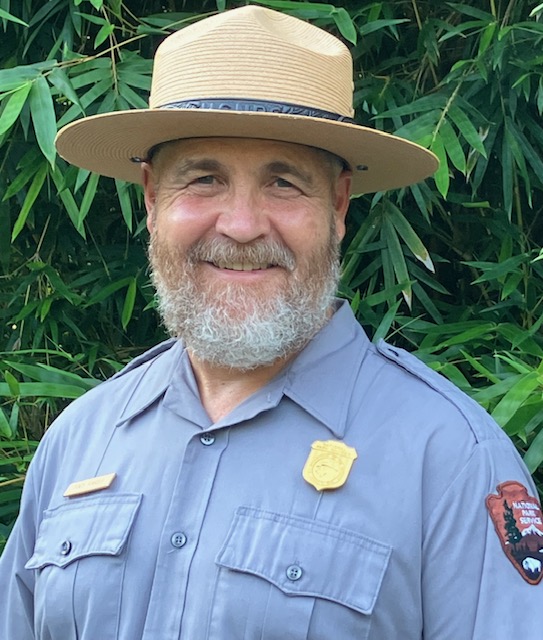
[244,254]
[268,473]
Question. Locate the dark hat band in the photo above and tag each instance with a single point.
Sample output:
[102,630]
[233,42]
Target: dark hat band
[233,104]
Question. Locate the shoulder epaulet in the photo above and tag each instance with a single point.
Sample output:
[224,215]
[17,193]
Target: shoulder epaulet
[477,418]
[145,357]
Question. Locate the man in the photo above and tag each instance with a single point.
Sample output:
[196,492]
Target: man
[268,473]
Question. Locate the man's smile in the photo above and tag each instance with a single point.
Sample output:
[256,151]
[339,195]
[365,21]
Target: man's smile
[241,266]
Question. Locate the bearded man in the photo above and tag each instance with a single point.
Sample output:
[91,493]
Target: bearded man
[268,473]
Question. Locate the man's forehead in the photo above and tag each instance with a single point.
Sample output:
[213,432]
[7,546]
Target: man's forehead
[225,145]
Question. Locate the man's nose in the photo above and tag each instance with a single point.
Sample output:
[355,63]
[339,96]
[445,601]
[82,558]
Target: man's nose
[243,218]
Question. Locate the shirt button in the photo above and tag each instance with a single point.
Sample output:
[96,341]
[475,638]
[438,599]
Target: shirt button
[294,572]
[207,439]
[178,540]
[65,547]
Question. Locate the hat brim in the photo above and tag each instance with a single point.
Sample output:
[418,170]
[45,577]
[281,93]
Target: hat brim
[106,143]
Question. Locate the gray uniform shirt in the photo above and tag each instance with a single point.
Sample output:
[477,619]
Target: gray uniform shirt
[209,531]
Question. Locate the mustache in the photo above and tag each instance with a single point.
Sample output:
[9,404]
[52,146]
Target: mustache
[218,250]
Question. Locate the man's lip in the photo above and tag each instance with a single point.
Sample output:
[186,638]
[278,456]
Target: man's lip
[241,267]
[241,273]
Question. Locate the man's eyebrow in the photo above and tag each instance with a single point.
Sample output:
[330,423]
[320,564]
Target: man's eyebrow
[280,167]
[184,167]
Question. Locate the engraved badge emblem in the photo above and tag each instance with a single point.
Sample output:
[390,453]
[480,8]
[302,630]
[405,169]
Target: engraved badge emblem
[329,464]
[518,522]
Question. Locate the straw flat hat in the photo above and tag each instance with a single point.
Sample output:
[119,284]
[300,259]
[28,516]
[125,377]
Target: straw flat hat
[249,73]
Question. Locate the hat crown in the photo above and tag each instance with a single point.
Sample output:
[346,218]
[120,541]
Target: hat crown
[253,53]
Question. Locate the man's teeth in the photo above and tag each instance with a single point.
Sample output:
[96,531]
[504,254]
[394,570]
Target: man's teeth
[242,266]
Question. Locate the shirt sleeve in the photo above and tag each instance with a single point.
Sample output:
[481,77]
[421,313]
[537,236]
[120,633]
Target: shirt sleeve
[17,583]
[471,589]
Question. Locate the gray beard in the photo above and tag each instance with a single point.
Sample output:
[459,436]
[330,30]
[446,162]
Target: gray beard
[239,329]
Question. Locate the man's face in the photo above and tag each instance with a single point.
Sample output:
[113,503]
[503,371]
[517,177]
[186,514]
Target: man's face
[243,234]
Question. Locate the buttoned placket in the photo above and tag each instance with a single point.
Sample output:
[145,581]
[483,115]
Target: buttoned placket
[180,534]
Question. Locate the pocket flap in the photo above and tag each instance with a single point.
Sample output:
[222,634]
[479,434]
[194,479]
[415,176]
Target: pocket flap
[306,557]
[97,525]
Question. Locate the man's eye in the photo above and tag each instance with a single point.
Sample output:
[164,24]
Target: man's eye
[284,184]
[205,180]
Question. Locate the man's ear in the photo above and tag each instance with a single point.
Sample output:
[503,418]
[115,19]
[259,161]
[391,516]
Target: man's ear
[150,193]
[342,195]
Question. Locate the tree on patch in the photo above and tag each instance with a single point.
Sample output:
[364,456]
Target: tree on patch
[513,534]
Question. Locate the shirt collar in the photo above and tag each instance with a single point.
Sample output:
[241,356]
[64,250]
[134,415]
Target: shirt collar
[148,376]
[322,378]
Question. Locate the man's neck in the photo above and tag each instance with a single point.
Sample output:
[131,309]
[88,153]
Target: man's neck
[222,389]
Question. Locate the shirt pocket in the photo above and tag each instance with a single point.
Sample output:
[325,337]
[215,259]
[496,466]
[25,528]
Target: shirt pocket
[306,578]
[79,564]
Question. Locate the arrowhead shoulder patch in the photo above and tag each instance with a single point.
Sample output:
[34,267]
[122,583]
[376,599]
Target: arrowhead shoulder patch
[518,522]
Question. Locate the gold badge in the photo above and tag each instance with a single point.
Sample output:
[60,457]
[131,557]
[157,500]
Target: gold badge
[329,464]
[90,485]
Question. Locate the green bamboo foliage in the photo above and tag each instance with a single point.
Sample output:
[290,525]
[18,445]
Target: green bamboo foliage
[451,269]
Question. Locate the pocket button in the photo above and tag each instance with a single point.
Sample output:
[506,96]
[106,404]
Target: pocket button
[65,547]
[294,572]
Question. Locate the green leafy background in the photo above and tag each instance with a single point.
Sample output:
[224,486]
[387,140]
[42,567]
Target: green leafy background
[451,269]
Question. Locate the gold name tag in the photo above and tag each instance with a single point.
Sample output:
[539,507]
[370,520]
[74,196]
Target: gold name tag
[329,464]
[89,486]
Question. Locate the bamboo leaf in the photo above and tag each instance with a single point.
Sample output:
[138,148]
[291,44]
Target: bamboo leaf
[384,326]
[507,176]
[377,25]
[103,34]
[489,375]
[496,270]
[13,78]
[486,37]
[441,176]
[8,16]
[397,259]
[29,200]
[294,5]
[464,337]
[68,201]
[534,455]
[411,239]
[345,24]
[43,118]
[96,91]
[61,81]
[466,128]
[97,20]
[388,294]
[128,306]
[452,146]
[46,373]
[88,198]
[125,202]
[13,385]
[515,398]
[471,11]
[131,97]
[42,389]
[22,178]
[435,103]
[5,427]
[13,107]
[533,157]
[106,291]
